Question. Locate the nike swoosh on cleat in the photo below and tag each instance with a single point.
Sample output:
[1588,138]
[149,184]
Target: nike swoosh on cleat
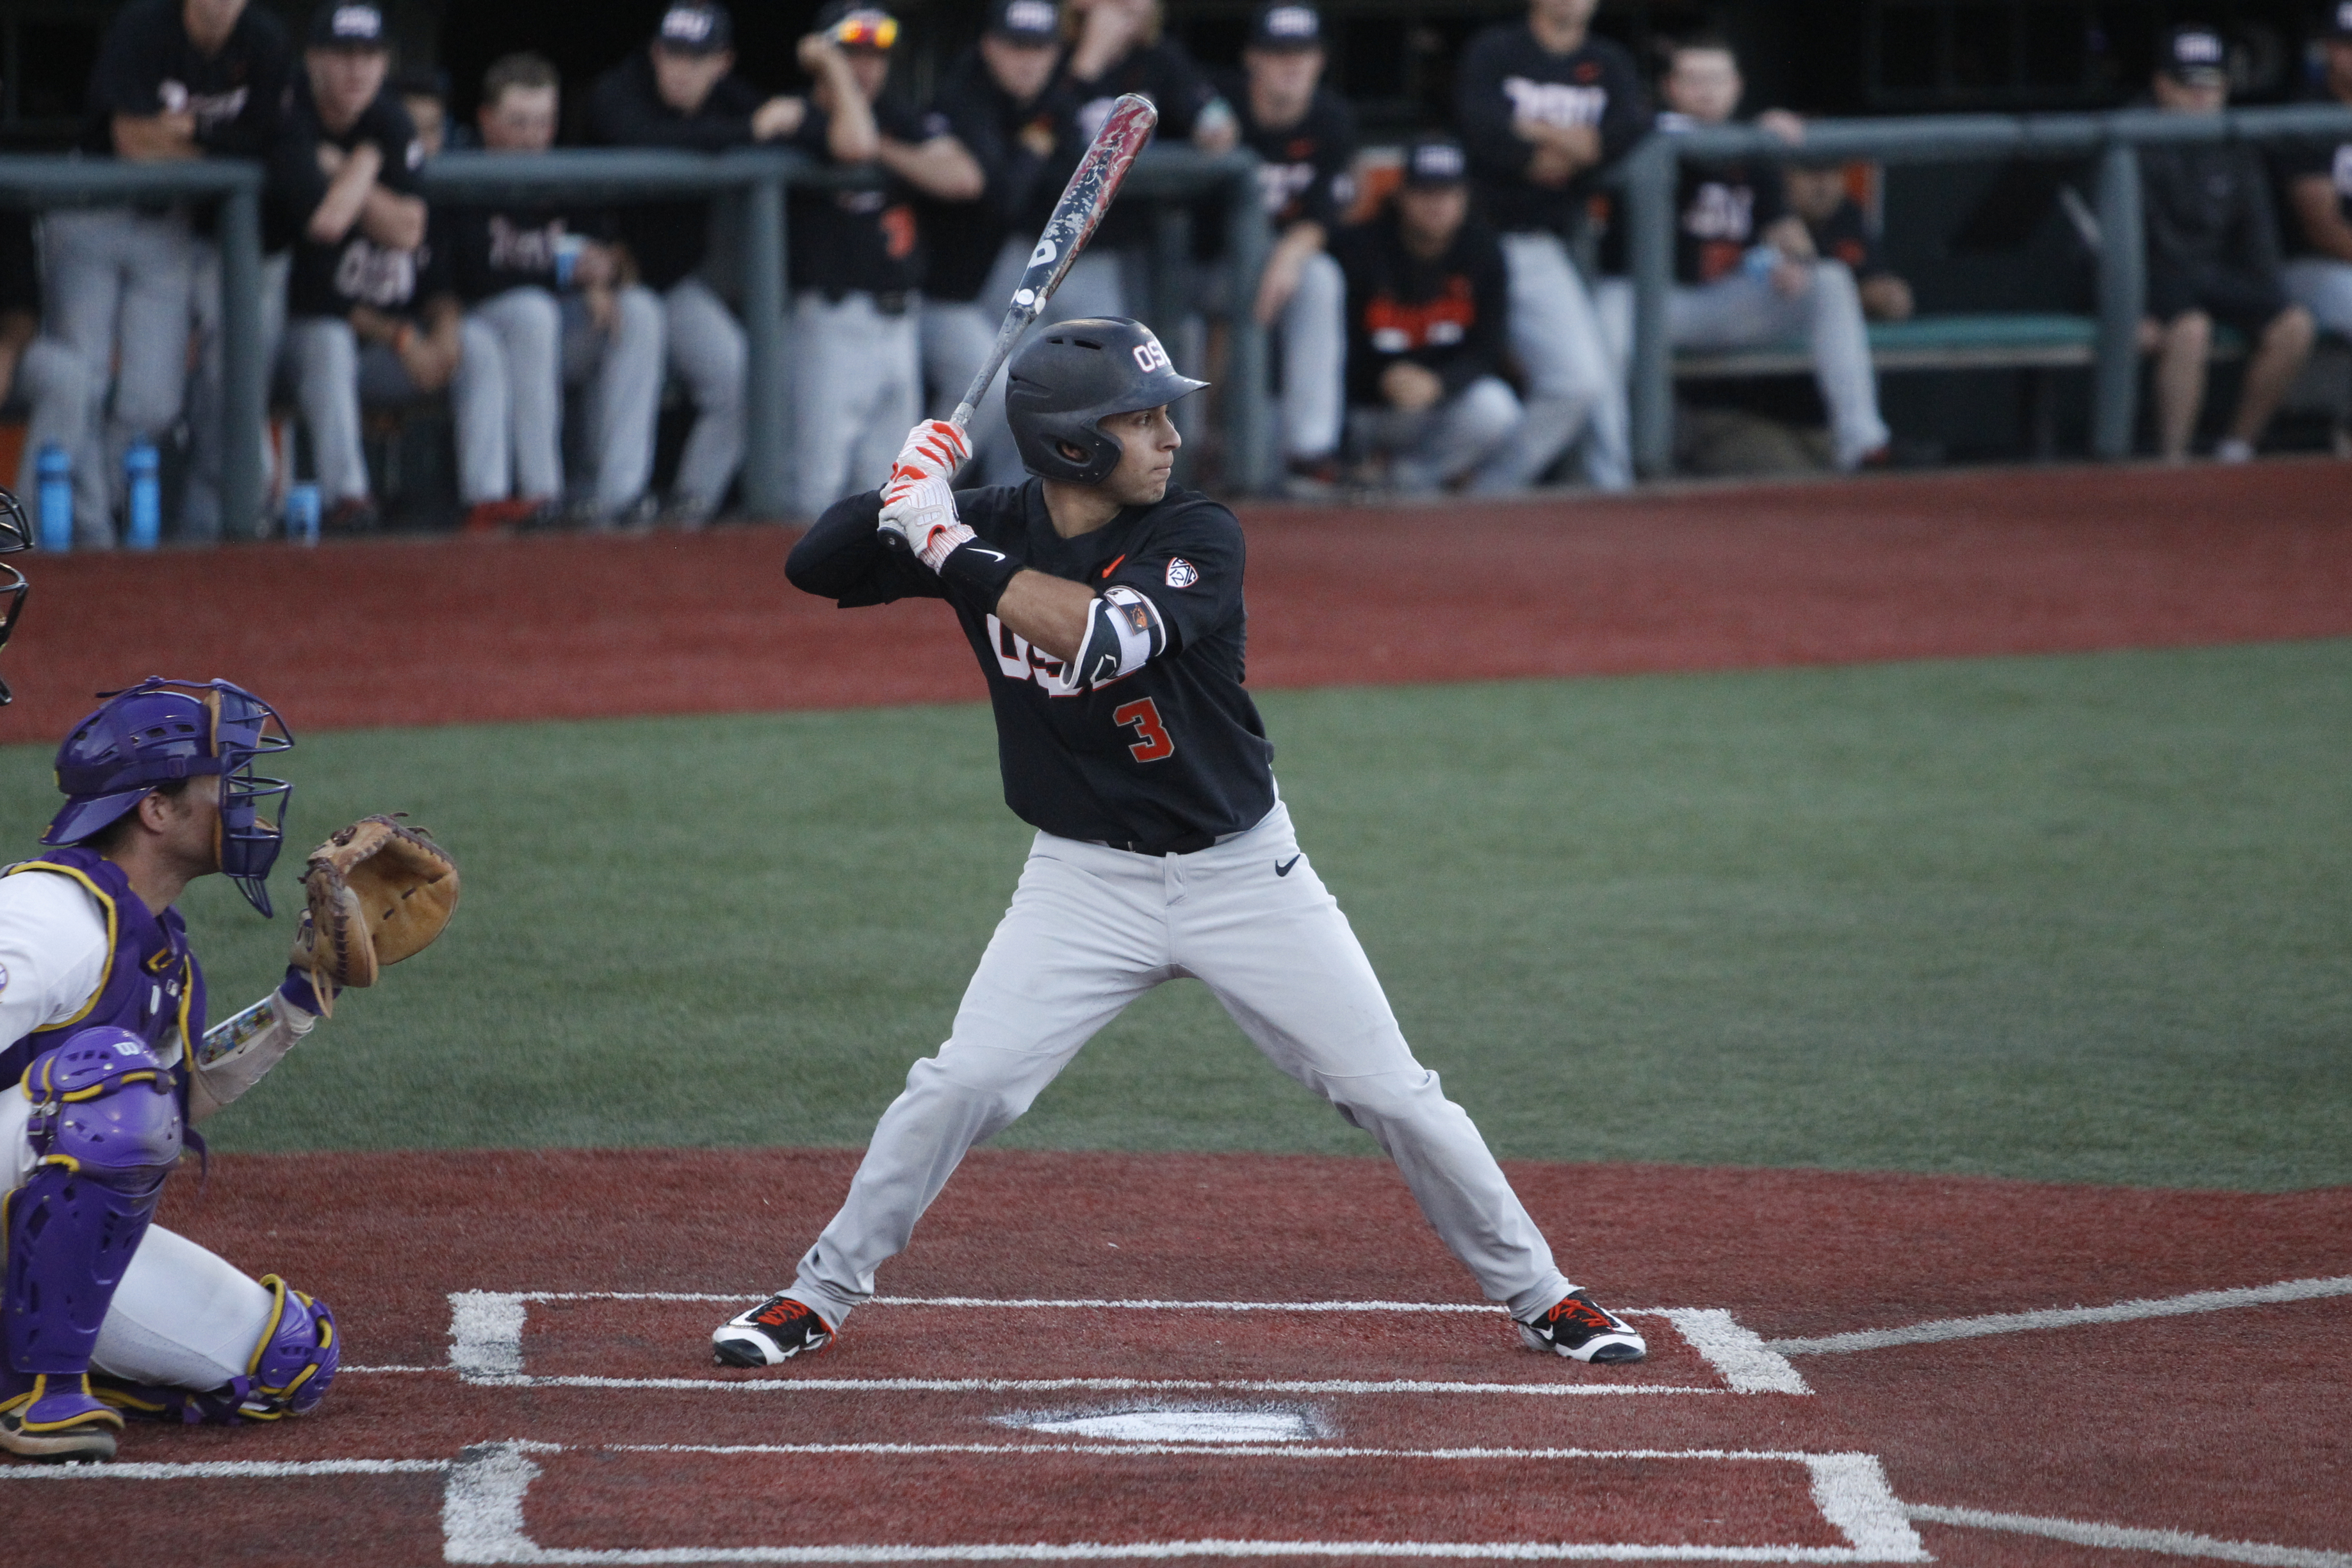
[991,555]
[1282,868]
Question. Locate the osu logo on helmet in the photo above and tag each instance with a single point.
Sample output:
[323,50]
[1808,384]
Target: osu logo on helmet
[1149,356]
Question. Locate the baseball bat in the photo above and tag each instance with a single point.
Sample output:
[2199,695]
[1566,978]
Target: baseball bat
[1084,201]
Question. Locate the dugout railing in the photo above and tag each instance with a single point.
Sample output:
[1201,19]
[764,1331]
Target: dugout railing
[1168,181]
[1647,179]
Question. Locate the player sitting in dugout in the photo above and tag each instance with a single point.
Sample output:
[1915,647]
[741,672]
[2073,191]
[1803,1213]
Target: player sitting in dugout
[1842,232]
[2212,255]
[1428,296]
[1745,272]
[109,1066]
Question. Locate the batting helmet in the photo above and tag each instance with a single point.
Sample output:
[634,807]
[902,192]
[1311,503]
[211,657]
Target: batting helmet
[15,533]
[1067,379]
[160,730]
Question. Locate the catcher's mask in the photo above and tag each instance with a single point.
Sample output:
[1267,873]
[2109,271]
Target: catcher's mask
[1064,382]
[15,533]
[162,729]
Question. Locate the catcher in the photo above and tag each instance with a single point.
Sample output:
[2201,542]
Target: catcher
[108,1067]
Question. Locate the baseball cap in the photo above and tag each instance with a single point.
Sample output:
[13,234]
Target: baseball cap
[852,26]
[1286,25]
[2338,23]
[1038,21]
[348,25]
[2194,55]
[695,27]
[1434,161]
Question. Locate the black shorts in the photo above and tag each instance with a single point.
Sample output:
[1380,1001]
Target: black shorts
[2249,301]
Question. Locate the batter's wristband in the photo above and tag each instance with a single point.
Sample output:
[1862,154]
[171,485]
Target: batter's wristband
[981,574]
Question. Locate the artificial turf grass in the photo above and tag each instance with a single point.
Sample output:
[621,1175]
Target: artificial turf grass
[2080,919]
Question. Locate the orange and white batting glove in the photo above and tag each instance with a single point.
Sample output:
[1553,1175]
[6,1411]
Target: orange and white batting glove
[923,513]
[935,449]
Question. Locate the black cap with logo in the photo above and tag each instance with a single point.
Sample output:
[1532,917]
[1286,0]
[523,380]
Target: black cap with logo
[1286,25]
[1432,163]
[1031,21]
[695,27]
[348,25]
[2194,56]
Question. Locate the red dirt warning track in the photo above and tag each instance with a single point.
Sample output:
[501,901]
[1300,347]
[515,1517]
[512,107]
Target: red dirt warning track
[520,1406]
[412,631]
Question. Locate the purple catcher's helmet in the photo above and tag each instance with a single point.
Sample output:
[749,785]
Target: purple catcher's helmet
[15,533]
[163,729]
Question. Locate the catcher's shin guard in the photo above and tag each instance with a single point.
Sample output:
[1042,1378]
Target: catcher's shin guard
[105,1132]
[288,1374]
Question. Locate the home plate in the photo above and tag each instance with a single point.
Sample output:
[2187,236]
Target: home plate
[1174,1425]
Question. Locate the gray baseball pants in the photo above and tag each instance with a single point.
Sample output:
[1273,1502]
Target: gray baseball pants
[709,354]
[857,387]
[1744,311]
[54,384]
[120,285]
[2324,288]
[334,375]
[521,348]
[1433,447]
[1091,929]
[200,505]
[1573,383]
[1314,329]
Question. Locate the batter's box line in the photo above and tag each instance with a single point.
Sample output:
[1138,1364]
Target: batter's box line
[486,1329]
[482,1511]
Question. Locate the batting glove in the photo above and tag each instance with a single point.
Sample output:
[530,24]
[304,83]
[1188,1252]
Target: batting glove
[921,515]
[935,449]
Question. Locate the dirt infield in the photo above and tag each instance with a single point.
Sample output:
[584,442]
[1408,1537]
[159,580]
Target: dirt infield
[1254,1356]
[415,631]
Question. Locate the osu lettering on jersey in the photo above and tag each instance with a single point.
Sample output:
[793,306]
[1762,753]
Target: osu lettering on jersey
[1506,75]
[333,280]
[1447,315]
[148,65]
[1171,754]
[1721,212]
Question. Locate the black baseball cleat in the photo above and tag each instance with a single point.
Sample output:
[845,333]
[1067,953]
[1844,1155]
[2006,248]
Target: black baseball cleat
[1581,1328]
[771,1333]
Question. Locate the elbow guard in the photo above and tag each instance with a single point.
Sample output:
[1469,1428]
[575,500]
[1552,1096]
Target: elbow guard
[1123,635]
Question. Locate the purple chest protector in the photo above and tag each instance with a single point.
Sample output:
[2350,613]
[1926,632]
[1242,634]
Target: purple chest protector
[153,987]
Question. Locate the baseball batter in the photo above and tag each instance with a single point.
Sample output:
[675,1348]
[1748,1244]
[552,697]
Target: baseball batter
[1105,611]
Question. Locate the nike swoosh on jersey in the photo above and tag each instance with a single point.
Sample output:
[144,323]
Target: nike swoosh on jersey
[1282,868]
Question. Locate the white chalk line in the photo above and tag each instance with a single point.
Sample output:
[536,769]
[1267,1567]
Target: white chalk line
[482,1514]
[2019,1322]
[2172,1542]
[224,1470]
[788,1384]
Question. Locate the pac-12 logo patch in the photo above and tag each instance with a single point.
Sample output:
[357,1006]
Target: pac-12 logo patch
[1181,573]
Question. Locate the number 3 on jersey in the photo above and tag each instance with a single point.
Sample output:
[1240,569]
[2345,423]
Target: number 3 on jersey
[1151,743]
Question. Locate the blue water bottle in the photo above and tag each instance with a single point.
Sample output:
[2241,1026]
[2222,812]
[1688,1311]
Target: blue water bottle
[143,468]
[53,468]
[302,513]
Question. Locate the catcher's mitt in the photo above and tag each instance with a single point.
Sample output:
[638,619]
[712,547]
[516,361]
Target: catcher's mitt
[378,892]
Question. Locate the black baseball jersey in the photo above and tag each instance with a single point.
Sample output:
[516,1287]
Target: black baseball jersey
[626,110]
[1844,235]
[1305,166]
[1721,211]
[20,268]
[147,65]
[493,249]
[1506,75]
[852,241]
[1448,315]
[1162,71]
[1017,145]
[329,279]
[1172,754]
[2206,206]
[2332,160]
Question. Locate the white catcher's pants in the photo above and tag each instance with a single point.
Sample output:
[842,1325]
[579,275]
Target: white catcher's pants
[1091,930]
[183,1317]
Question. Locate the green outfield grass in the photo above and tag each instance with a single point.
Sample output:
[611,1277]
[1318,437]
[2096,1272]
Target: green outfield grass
[2082,918]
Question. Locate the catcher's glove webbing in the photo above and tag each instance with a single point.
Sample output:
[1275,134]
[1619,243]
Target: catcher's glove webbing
[378,892]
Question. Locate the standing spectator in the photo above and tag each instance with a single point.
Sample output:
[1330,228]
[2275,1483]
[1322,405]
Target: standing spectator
[2212,255]
[857,261]
[1306,134]
[2318,182]
[1745,269]
[1545,107]
[47,378]
[371,313]
[1004,101]
[550,300]
[1428,301]
[174,79]
[682,92]
[1842,232]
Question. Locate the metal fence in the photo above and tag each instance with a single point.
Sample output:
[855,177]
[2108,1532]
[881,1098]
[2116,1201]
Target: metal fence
[2112,140]
[1167,179]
